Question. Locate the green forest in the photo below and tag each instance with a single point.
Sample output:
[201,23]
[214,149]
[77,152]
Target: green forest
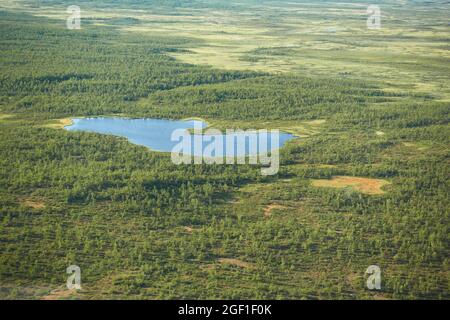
[141,227]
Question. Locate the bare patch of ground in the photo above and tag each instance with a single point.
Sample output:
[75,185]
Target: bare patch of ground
[66,122]
[59,294]
[353,279]
[34,204]
[363,185]
[317,122]
[188,229]
[60,123]
[270,207]
[380,133]
[235,262]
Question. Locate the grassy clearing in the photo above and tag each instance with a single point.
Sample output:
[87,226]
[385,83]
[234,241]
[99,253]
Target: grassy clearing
[60,123]
[301,129]
[34,204]
[363,185]
[235,262]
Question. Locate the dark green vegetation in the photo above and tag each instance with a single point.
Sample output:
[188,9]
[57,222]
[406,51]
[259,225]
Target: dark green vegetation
[141,227]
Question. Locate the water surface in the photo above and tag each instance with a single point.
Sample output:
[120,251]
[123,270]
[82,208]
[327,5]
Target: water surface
[156,133]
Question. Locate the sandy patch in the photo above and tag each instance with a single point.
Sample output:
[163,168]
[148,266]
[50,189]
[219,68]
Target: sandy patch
[380,133]
[363,185]
[66,122]
[60,123]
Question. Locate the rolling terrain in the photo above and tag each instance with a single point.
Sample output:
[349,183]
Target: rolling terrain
[365,183]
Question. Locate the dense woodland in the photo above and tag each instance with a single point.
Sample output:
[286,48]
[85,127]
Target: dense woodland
[121,212]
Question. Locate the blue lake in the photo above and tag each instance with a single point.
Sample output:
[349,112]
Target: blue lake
[157,134]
